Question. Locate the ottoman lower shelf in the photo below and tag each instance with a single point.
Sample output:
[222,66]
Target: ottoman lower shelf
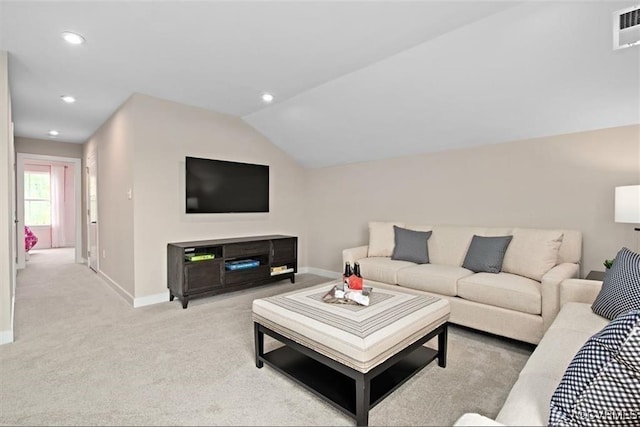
[339,389]
[348,390]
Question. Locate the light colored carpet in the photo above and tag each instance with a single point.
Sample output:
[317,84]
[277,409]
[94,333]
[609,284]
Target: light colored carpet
[83,356]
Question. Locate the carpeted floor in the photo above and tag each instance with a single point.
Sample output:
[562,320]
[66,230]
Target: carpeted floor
[83,356]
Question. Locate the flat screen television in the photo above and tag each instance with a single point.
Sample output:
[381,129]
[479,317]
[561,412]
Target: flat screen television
[219,186]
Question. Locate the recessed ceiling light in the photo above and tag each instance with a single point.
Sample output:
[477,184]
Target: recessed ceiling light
[68,99]
[72,38]
[53,132]
[267,97]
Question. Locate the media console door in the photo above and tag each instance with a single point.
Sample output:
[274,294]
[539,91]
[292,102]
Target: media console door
[202,276]
[204,268]
[284,251]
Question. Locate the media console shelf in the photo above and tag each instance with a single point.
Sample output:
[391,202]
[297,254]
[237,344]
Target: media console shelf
[209,267]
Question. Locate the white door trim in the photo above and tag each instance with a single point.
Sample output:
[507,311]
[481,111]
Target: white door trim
[77,183]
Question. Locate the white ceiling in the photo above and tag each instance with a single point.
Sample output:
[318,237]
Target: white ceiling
[353,81]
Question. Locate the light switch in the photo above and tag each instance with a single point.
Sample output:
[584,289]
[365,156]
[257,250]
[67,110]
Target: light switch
[130,194]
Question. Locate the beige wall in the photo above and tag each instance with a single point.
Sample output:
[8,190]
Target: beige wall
[564,181]
[142,147]
[7,208]
[166,132]
[48,147]
[113,145]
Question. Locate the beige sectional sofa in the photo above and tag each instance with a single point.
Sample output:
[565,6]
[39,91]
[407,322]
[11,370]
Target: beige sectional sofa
[529,400]
[519,302]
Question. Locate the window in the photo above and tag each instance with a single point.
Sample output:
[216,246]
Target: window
[37,198]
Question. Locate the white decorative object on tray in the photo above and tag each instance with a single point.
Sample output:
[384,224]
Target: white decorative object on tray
[348,296]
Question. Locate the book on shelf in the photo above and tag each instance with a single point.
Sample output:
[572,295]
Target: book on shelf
[281,270]
[241,264]
[198,257]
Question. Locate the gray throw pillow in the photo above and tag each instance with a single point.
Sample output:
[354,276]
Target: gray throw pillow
[411,245]
[620,290]
[600,386]
[485,254]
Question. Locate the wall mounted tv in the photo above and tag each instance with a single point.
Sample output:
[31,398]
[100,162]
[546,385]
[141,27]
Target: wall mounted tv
[219,186]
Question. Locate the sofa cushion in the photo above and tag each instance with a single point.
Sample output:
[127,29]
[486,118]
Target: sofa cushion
[532,252]
[436,278]
[474,419]
[601,385]
[485,254]
[382,238]
[382,269]
[504,290]
[572,327]
[419,227]
[528,401]
[577,316]
[557,348]
[620,290]
[411,245]
[571,248]
[448,245]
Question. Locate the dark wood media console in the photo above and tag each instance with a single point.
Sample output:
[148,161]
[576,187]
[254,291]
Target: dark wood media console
[276,258]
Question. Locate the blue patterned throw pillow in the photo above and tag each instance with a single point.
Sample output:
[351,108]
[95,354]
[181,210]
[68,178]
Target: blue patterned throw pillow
[601,386]
[621,287]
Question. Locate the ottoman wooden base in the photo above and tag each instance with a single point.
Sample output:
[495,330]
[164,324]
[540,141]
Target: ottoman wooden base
[349,390]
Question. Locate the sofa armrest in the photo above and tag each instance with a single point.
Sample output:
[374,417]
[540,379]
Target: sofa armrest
[551,290]
[354,254]
[472,419]
[579,290]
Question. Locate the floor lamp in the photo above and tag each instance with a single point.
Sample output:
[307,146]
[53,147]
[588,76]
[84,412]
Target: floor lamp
[627,206]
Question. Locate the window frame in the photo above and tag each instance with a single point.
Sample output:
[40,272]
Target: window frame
[28,191]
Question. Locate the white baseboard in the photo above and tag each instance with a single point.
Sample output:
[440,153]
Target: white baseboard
[151,299]
[114,285]
[320,272]
[6,337]
[135,302]
[164,296]
[13,306]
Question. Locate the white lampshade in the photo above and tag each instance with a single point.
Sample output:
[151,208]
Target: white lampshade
[627,206]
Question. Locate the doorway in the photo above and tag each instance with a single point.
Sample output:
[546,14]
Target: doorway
[73,234]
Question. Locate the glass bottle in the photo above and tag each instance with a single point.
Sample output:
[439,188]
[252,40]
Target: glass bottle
[356,282]
[348,272]
[356,269]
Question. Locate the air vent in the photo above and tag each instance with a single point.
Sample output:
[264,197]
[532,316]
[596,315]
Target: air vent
[626,27]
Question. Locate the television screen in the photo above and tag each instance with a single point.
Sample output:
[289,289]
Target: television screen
[218,186]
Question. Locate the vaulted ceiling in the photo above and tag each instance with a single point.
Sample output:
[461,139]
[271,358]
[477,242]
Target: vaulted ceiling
[353,81]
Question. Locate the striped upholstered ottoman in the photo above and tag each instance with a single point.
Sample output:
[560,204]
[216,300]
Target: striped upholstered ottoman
[352,356]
